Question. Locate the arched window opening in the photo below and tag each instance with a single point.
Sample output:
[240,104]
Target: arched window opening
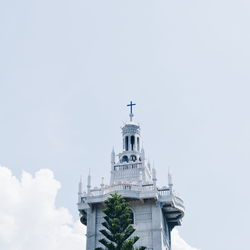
[126,143]
[138,144]
[133,158]
[125,158]
[132,142]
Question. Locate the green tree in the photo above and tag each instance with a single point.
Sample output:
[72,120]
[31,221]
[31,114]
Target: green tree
[118,221]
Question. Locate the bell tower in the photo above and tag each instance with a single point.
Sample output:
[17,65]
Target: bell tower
[130,167]
[156,210]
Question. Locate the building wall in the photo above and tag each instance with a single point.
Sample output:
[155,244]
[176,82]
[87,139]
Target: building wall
[147,222]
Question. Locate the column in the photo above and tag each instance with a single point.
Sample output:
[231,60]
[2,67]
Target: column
[91,228]
[156,226]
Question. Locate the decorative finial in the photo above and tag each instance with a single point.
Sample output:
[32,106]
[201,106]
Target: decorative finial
[102,183]
[131,110]
[154,173]
[89,183]
[170,182]
[80,186]
[154,177]
[80,190]
[113,156]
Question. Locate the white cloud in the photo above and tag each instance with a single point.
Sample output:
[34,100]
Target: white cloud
[30,220]
[178,243]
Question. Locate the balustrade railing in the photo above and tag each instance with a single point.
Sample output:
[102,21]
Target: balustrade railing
[127,166]
[164,192]
[145,189]
[120,187]
[130,187]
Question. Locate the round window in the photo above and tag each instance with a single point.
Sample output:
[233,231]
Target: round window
[133,157]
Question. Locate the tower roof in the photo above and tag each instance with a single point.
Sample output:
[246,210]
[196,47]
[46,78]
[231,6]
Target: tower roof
[131,128]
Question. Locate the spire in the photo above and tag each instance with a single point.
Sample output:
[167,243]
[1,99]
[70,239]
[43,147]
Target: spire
[131,110]
[154,176]
[89,183]
[142,154]
[149,163]
[170,181]
[113,156]
[102,185]
[80,189]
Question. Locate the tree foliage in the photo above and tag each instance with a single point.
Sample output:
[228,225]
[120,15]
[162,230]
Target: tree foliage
[118,225]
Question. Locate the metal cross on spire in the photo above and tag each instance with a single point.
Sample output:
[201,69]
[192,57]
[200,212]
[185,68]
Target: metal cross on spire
[131,110]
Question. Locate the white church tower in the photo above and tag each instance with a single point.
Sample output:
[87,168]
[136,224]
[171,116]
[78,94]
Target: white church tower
[156,211]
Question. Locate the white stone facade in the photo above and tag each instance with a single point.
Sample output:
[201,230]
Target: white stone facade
[156,210]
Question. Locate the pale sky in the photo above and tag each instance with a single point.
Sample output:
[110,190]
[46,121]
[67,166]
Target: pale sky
[68,69]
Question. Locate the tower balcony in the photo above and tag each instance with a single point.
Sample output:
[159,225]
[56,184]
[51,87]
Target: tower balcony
[172,206]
